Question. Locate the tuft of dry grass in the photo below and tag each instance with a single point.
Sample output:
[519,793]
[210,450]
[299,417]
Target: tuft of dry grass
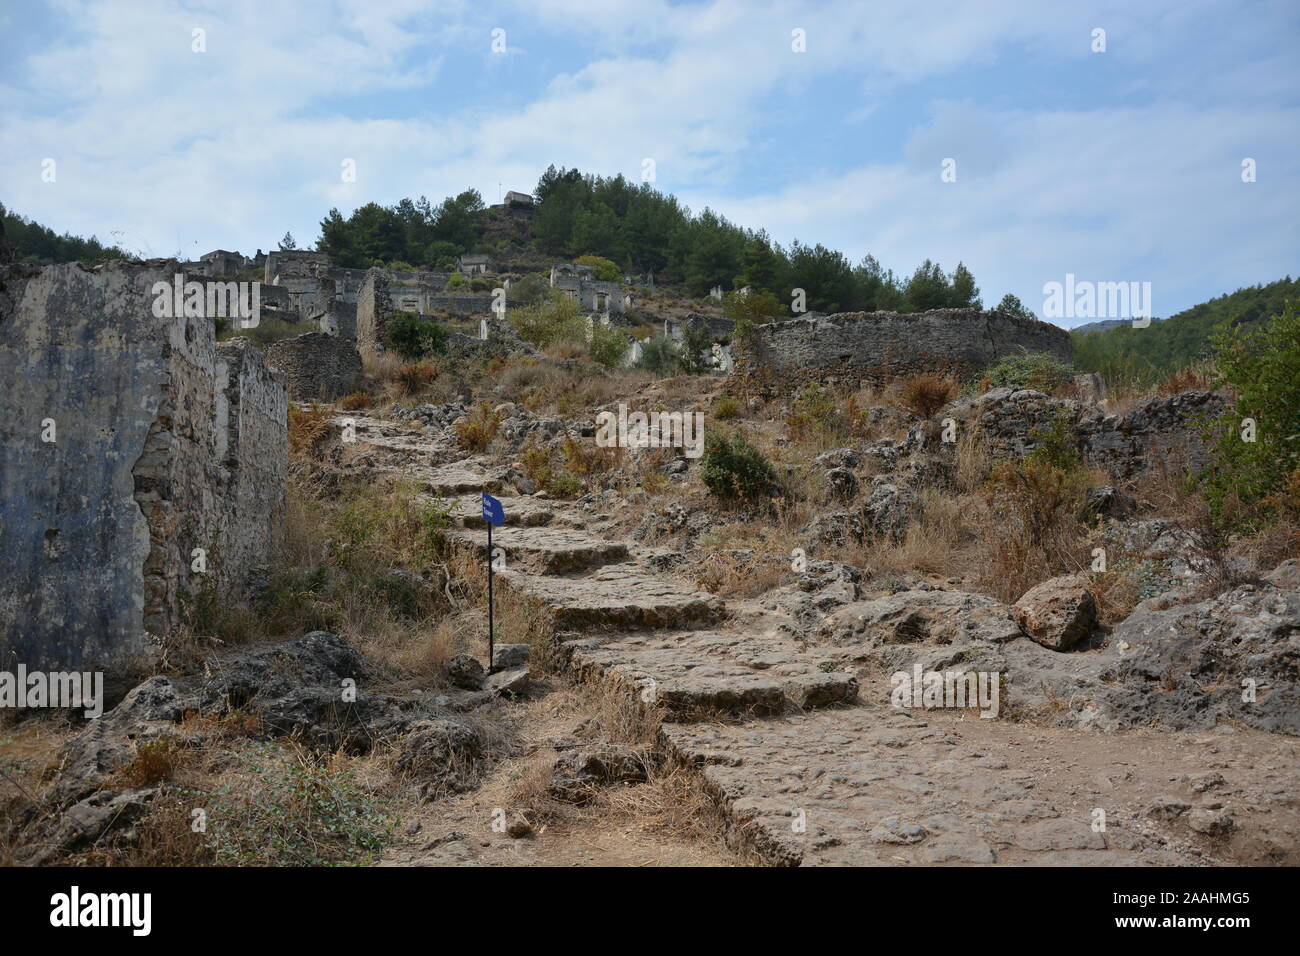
[478,428]
[730,576]
[414,377]
[309,429]
[925,394]
[355,401]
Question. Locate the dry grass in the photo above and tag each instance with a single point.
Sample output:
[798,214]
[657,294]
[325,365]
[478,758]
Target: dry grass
[414,377]
[355,401]
[478,428]
[309,429]
[1195,378]
[925,394]
[938,541]
[728,575]
[1116,594]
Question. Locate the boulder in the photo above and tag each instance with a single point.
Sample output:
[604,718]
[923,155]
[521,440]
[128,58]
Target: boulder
[889,509]
[922,615]
[507,656]
[441,753]
[465,672]
[1058,613]
[578,773]
[508,683]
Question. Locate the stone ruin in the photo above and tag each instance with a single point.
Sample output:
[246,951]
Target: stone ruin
[593,295]
[857,348]
[130,442]
[319,366]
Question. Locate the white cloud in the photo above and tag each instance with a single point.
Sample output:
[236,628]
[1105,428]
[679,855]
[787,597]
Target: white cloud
[231,147]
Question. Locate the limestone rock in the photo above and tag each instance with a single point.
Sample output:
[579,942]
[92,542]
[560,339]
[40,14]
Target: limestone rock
[889,509]
[464,671]
[1058,613]
[511,682]
[578,773]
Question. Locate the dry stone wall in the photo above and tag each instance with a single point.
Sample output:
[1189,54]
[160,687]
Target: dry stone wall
[319,366]
[374,309]
[854,348]
[129,440]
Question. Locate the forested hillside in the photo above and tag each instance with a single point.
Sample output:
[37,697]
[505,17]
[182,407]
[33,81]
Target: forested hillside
[33,242]
[1124,353]
[643,231]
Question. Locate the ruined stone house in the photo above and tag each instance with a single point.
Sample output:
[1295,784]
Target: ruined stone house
[579,282]
[474,264]
[141,461]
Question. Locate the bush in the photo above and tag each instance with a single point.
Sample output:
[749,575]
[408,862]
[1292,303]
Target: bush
[696,345]
[456,281]
[530,289]
[556,318]
[302,814]
[1036,370]
[608,345]
[309,428]
[1248,479]
[413,337]
[606,271]
[926,394]
[658,355]
[414,377]
[726,407]
[751,310]
[734,468]
[478,429]
[355,401]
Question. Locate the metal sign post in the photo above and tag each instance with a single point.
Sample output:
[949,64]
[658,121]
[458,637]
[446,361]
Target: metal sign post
[493,514]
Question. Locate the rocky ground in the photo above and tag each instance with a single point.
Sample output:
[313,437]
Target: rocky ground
[662,698]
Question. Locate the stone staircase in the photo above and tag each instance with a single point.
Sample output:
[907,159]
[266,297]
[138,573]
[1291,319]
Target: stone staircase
[804,771]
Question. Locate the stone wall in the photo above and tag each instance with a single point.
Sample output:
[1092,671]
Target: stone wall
[1163,432]
[319,366]
[163,443]
[855,348]
[374,308]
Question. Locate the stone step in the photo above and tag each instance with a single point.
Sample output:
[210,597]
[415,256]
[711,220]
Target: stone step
[866,786]
[448,481]
[521,512]
[616,598]
[545,550]
[697,674]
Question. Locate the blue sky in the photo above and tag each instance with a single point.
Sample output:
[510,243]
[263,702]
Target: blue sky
[1116,166]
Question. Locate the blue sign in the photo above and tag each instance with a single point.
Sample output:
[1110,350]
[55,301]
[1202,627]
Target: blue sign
[493,513]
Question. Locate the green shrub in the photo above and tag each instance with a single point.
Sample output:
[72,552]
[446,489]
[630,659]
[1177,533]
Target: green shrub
[694,352]
[1036,370]
[302,814]
[606,271]
[411,336]
[734,468]
[456,281]
[1262,365]
[608,345]
[726,407]
[658,355]
[554,319]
